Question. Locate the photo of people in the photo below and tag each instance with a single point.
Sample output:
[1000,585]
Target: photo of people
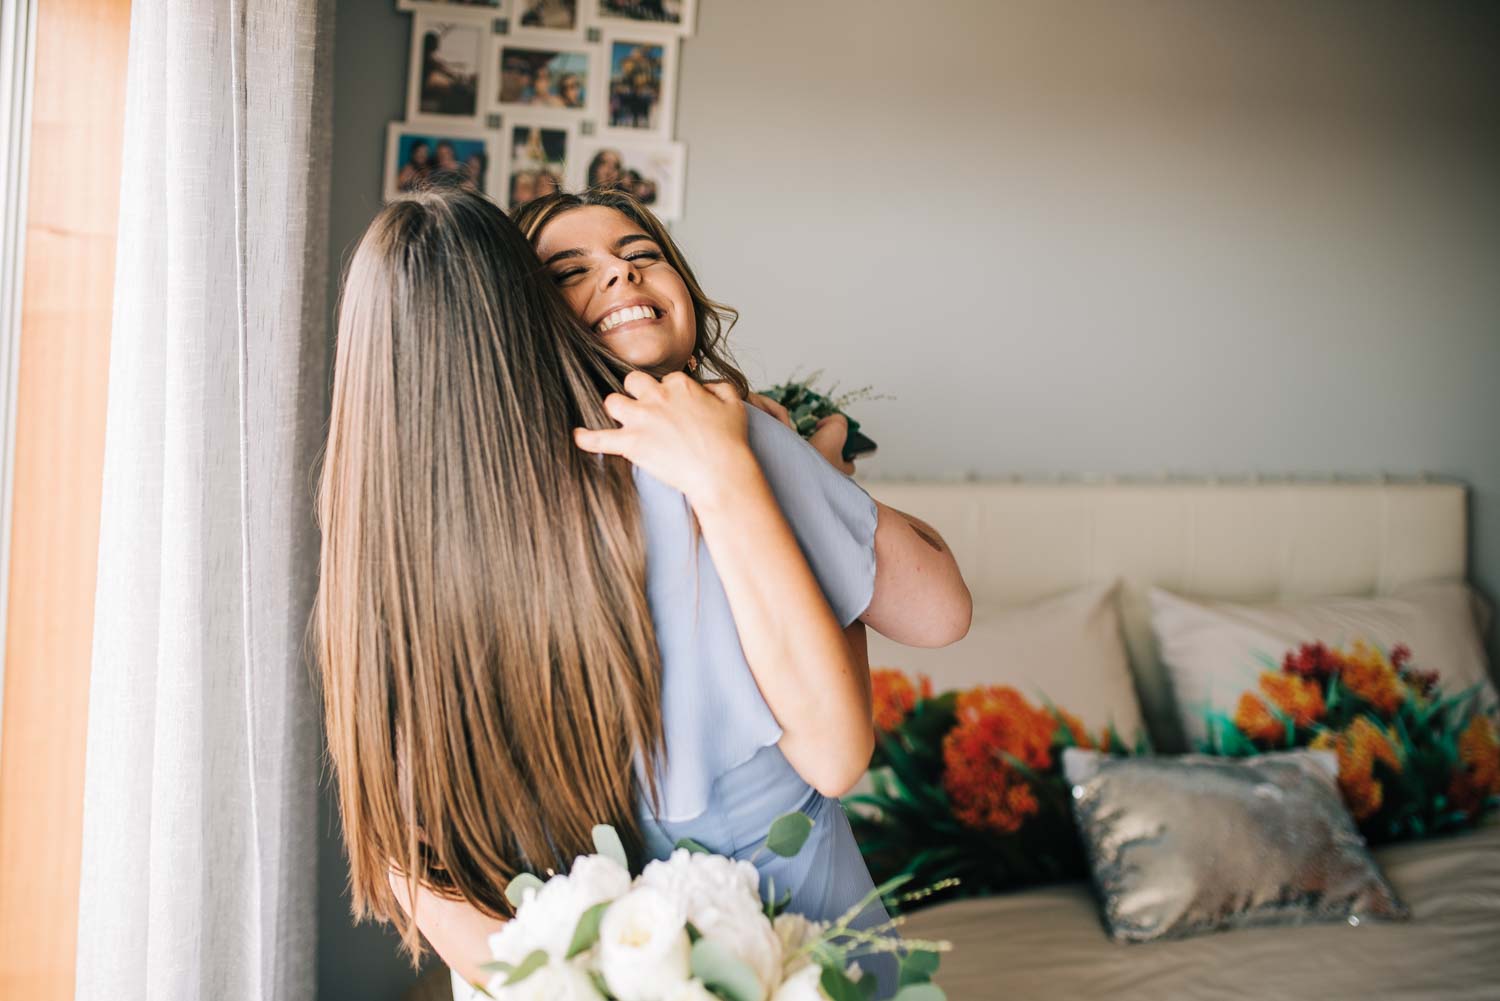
[674,14]
[544,78]
[445,65]
[547,15]
[538,163]
[637,85]
[415,156]
[651,171]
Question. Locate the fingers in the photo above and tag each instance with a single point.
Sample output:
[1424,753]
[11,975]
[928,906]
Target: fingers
[621,407]
[726,392]
[828,438]
[600,441]
[642,385]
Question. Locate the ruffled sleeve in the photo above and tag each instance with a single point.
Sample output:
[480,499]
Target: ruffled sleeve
[714,716]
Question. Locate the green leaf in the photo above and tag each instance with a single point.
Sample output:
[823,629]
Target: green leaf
[692,846]
[725,973]
[693,933]
[515,889]
[534,961]
[587,932]
[917,967]
[607,842]
[837,985]
[789,833]
[921,992]
[496,966]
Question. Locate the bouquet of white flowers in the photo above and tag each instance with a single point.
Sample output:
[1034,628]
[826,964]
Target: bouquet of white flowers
[692,927]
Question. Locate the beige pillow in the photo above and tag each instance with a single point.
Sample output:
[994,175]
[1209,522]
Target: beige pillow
[1067,649]
[1213,650]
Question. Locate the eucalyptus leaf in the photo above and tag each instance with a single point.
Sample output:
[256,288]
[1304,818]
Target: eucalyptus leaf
[534,961]
[789,832]
[917,967]
[921,992]
[516,888]
[837,985]
[725,973]
[607,843]
[692,846]
[587,932]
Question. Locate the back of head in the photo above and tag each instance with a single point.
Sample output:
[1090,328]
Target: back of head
[488,664]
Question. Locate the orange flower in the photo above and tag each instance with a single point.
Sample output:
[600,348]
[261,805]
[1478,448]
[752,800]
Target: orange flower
[1370,676]
[1297,697]
[987,792]
[1075,727]
[1478,775]
[893,697]
[1359,748]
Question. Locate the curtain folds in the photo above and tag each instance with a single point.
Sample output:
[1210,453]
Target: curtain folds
[200,808]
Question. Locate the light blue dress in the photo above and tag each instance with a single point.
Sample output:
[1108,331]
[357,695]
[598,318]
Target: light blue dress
[725,780]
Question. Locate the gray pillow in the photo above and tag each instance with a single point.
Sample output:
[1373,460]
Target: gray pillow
[1184,845]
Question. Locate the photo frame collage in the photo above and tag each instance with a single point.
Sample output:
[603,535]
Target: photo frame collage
[525,97]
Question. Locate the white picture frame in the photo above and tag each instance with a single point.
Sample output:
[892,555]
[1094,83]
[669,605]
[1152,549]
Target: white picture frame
[467,139]
[482,12]
[522,140]
[505,95]
[616,48]
[610,15]
[464,30]
[548,31]
[661,162]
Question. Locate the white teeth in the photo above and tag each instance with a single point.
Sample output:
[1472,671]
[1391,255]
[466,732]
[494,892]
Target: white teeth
[624,314]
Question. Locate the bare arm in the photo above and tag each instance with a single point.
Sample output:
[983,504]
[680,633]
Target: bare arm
[920,595]
[458,932]
[694,438]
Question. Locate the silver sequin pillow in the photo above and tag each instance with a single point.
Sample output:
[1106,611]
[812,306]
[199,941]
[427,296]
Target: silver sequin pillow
[1184,845]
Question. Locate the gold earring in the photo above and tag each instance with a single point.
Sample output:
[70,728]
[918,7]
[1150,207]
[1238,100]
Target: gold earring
[692,364]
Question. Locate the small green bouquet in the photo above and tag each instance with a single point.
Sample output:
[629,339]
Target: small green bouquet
[807,406]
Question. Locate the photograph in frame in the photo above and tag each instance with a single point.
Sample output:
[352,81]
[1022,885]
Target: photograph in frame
[541,79]
[673,17]
[444,76]
[537,158]
[641,82]
[543,19]
[416,153]
[652,170]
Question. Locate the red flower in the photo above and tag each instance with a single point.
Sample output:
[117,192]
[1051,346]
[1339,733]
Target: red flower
[1312,660]
[893,696]
[988,793]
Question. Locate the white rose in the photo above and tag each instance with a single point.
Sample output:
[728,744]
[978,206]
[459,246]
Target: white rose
[795,931]
[547,918]
[554,982]
[689,990]
[722,899]
[643,945]
[802,986]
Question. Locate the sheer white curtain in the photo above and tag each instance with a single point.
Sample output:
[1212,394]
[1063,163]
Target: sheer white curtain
[200,806]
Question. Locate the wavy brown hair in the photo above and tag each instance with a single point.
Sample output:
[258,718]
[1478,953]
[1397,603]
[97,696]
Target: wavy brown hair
[713,319]
[488,664]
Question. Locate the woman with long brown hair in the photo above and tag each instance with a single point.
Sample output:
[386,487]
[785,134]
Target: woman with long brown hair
[557,591]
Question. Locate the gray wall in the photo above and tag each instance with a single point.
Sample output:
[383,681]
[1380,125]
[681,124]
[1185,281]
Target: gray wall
[1094,237]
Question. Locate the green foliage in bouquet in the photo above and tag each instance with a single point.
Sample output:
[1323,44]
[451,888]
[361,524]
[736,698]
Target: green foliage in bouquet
[1413,760]
[807,405]
[969,786]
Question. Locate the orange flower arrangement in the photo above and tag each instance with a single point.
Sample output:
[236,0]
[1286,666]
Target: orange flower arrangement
[1370,675]
[1359,748]
[893,696]
[1299,698]
[987,792]
[1478,774]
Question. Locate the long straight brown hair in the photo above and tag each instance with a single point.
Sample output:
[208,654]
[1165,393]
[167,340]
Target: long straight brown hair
[714,320]
[488,664]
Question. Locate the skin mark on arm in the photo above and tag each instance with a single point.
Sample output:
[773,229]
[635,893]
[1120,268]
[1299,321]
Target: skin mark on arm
[924,532]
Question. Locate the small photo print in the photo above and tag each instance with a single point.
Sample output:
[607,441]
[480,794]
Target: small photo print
[415,156]
[640,84]
[486,7]
[673,15]
[538,162]
[444,76]
[546,15]
[544,78]
[651,171]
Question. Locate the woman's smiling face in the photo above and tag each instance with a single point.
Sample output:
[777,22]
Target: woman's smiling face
[616,279]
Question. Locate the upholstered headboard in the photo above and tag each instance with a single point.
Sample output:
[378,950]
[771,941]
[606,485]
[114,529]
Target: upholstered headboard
[1017,542]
